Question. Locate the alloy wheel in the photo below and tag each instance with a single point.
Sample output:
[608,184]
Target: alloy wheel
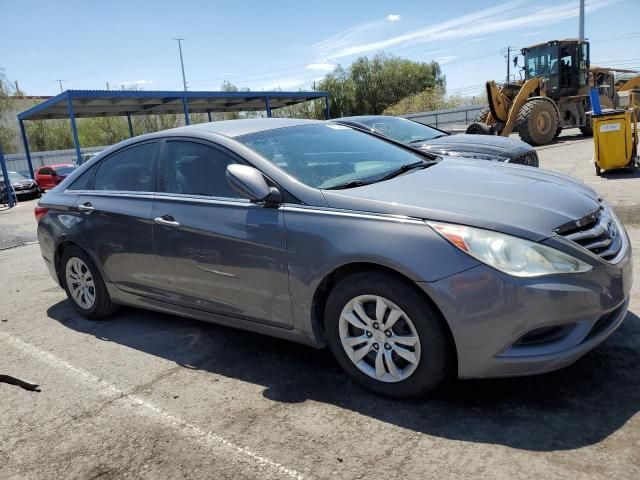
[379,338]
[80,283]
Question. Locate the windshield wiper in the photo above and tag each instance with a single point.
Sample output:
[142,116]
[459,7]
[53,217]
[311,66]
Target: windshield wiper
[422,140]
[349,184]
[406,167]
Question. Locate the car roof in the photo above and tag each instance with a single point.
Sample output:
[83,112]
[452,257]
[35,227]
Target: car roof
[58,165]
[236,128]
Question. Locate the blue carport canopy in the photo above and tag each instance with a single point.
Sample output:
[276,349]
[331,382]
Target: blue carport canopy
[74,104]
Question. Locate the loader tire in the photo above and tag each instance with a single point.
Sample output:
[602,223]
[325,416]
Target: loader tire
[482,115]
[537,122]
[479,129]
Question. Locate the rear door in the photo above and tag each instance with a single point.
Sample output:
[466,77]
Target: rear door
[217,251]
[116,215]
[44,178]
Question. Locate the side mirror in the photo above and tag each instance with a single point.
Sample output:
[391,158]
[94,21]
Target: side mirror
[251,183]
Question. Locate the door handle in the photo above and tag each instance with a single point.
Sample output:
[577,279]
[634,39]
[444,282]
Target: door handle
[167,220]
[86,208]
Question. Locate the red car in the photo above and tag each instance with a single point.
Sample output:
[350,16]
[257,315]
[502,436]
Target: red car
[51,175]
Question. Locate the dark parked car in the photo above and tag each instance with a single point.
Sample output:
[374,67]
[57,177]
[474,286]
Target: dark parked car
[23,186]
[484,147]
[51,175]
[408,265]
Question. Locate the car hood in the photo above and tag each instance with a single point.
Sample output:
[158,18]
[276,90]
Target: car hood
[523,201]
[502,147]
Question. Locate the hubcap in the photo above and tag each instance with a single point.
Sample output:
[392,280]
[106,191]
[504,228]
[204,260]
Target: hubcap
[543,121]
[80,283]
[388,352]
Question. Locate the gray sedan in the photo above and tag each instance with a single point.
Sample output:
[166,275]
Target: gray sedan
[409,266]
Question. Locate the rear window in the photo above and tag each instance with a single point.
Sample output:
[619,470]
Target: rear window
[65,170]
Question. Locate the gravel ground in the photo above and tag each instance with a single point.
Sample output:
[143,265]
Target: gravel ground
[146,395]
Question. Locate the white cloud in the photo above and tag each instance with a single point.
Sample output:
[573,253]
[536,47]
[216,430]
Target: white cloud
[393,17]
[445,59]
[134,82]
[284,83]
[324,67]
[514,14]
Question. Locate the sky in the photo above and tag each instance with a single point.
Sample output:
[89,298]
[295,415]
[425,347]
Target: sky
[277,44]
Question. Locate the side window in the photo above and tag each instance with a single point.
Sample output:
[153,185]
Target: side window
[193,168]
[82,182]
[45,171]
[129,170]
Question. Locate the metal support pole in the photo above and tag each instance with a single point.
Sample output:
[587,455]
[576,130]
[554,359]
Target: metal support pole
[7,180]
[187,120]
[74,129]
[266,102]
[25,142]
[130,125]
[209,115]
[327,113]
[581,33]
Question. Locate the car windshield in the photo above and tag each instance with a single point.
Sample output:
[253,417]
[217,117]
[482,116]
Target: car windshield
[14,177]
[65,170]
[327,155]
[401,129]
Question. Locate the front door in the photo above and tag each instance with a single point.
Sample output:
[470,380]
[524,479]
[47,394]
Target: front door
[216,251]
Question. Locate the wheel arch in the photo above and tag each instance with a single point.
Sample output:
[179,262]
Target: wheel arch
[546,99]
[331,279]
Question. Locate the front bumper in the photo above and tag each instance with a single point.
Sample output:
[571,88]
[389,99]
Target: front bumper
[27,191]
[508,326]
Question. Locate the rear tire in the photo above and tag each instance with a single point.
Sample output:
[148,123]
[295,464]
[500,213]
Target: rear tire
[377,351]
[479,129]
[537,122]
[84,285]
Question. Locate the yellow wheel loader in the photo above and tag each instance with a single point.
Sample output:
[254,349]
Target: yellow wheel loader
[553,95]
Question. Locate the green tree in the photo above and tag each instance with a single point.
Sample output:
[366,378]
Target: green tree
[7,134]
[369,86]
[99,131]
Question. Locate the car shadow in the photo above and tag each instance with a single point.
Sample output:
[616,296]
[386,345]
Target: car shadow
[572,408]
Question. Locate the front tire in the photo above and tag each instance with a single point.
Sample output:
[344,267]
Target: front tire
[386,335]
[537,122]
[84,285]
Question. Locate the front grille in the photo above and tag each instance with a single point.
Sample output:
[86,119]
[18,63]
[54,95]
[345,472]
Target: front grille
[597,232]
[529,158]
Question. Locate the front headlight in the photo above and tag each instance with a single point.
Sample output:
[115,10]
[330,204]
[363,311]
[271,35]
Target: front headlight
[512,255]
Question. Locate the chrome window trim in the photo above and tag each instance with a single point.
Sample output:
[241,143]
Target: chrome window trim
[352,213]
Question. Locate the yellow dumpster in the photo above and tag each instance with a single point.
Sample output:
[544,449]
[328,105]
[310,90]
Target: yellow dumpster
[614,141]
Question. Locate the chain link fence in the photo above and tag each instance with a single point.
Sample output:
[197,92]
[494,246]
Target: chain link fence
[17,162]
[453,119]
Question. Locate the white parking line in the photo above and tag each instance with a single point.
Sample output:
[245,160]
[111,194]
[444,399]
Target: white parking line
[134,401]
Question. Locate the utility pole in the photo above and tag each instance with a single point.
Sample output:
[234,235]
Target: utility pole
[60,83]
[184,78]
[581,20]
[108,86]
[507,54]
[18,92]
